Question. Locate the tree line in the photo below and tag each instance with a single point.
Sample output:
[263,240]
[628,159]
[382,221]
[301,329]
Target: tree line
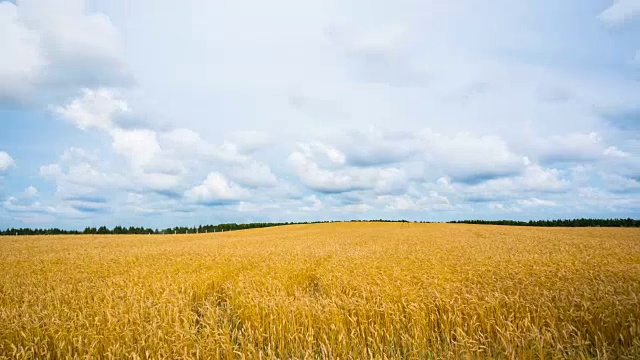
[133,230]
[558,222]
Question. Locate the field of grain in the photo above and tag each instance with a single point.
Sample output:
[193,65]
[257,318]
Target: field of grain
[350,290]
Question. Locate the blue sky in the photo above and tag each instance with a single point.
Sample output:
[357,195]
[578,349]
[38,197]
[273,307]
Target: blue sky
[164,113]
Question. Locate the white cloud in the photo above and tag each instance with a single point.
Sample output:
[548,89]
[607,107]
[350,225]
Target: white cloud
[382,41]
[313,204]
[159,161]
[620,184]
[471,159]
[189,144]
[139,146]
[74,154]
[80,173]
[30,191]
[244,207]
[162,183]
[432,201]
[253,174]
[496,206]
[534,180]
[82,48]
[614,151]
[216,189]
[95,109]
[536,202]
[538,178]
[389,180]
[323,168]
[595,200]
[6,162]
[77,178]
[377,147]
[353,208]
[83,187]
[463,157]
[379,54]
[57,46]
[320,179]
[620,12]
[22,60]
[50,170]
[571,147]
[322,152]
[249,141]
[13,204]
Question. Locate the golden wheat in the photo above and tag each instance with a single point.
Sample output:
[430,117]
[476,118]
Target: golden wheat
[351,290]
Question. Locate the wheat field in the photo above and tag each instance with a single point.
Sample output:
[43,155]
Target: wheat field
[340,290]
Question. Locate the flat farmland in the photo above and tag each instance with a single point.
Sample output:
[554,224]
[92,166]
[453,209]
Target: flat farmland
[338,290]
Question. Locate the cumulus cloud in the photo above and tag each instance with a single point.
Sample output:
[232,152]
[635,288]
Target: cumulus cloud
[30,191]
[323,168]
[592,199]
[322,152]
[353,208]
[620,12]
[57,46]
[364,161]
[540,179]
[6,162]
[77,175]
[533,180]
[188,143]
[615,152]
[536,202]
[138,146]
[85,184]
[26,205]
[215,190]
[313,204]
[376,147]
[160,161]
[15,205]
[320,179]
[81,173]
[244,207]
[249,141]
[472,159]
[253,174]
[620,184]
[22,59]
[96,108]
[431,201]
[574,147]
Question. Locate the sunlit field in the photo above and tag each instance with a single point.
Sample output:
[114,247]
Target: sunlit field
[348,290]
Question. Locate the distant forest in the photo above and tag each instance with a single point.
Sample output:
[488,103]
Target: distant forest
[121,230]
[558,223]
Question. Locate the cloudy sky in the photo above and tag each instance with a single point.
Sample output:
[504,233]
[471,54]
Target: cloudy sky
[163,113]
